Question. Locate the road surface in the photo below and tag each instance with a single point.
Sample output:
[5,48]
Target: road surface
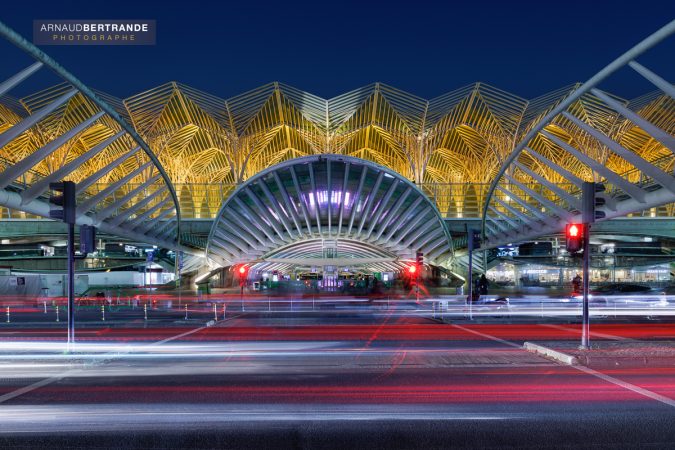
[332,381]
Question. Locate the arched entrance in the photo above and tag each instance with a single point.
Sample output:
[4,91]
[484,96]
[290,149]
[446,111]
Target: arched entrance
[328,213]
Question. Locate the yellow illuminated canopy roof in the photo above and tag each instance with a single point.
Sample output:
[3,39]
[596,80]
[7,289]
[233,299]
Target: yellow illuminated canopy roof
[460,137]
[141,162]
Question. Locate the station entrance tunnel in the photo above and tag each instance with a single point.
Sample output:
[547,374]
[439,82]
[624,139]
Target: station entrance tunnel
[329,223]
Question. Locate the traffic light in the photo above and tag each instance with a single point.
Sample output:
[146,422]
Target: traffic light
[87,239]
[66,200]
[593,198]
[574,237]
[412,269]
[474,240]
[419,260]
[243,270]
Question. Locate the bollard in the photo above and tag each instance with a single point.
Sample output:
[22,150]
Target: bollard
[145,312]
[186,315]
[215,312]
[57,312]
[103,313]
[8,314]
[224,308]
[45,305]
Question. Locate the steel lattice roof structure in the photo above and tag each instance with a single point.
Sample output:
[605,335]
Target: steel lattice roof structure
[70,132]
[475,134]
[629,148]
[363,213]
[460,137]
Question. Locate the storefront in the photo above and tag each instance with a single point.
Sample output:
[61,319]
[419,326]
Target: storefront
[508,274]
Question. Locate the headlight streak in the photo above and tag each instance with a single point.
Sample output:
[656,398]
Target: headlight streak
[84,417]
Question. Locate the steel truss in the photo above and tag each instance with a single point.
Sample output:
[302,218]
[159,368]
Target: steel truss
[365,214]
[70,132]
[588,136]
[463,138]
[458,139]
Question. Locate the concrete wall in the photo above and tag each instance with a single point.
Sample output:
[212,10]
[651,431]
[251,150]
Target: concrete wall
[54,285]
[20,285]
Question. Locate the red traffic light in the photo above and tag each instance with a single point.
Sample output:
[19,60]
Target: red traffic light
[242,270]
[412,269]
[574,237]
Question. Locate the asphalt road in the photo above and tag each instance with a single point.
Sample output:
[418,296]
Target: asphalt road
[327,381]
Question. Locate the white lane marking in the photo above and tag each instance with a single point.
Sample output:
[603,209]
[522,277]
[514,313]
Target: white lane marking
[36,385]
[178,336]
[592,333]
[187,333]
[50,380]
[487,336]
[631,387]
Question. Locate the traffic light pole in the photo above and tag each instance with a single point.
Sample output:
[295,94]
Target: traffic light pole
[585,323]
[417,286]
[419,265]
[66,198]
[469,244]
[470,284]
[71,285]
[588,191]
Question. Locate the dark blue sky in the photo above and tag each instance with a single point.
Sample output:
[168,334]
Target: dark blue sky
[330,47]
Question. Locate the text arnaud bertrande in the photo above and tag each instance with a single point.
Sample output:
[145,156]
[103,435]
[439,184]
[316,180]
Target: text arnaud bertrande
[94,27]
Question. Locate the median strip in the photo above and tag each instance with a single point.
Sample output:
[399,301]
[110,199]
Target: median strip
[550,353]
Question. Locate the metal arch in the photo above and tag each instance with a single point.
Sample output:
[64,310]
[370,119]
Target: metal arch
[253,228]
[28,199]
[628,196]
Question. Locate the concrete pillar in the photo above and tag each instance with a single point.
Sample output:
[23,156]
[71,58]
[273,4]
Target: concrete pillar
[516,275]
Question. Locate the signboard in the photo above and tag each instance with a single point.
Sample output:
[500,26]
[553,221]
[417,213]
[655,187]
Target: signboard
[17,281]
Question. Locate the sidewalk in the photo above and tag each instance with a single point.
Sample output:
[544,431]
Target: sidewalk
[625,354]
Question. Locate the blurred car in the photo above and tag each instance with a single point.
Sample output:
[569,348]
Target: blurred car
[490,302]
[622,294]
[497,307]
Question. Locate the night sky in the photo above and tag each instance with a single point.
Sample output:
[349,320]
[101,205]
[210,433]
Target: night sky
[330,47]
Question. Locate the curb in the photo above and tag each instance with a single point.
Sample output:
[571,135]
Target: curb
[550,353]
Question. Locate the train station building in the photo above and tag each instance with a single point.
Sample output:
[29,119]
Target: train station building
[180,183]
